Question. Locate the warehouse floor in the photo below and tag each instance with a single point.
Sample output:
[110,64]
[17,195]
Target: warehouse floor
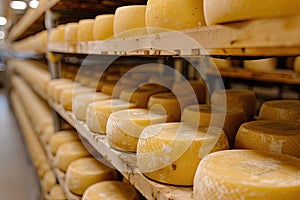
[18,180]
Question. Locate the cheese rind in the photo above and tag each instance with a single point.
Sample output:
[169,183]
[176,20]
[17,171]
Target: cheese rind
[60,138]
[103,27]
[85,30]
[66,97]
[71,33]
[247,174]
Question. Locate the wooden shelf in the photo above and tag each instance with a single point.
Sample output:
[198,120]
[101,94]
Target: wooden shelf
[125,163]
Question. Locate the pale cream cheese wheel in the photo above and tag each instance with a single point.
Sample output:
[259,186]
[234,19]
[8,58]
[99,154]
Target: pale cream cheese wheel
[260,65]
[60,138]
[85,30]
[104,27]
[71,33]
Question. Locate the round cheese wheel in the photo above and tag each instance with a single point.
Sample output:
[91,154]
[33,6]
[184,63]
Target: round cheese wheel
[58,89]
[112,190]
[68,152]
[236,99]
[190,88]
[237,10]
[49,180]
[261,65]
[221,63]
[130,21]
[85,30]
[60,138]
[272,136]
[57,35]
[55,82]
[71,33]
[174,15]
[81,102]
[297,65]
[281,110]
[57,193]
[84,172]
[43,168]
[124,127]
[98,112]
[207,115]
[66,97]
[103,27]
[171,152]
[247,174]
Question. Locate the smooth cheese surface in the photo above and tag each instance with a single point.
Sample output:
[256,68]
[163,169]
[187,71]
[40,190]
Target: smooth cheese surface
[272,136]
[60,138]
[71,33]
[85,30]
[174,15]
[171,152]
[261,65]
[216,11]
[112,190]
[57,35]
[247,174]
[281,110]
[57,90]
[84,172]
[57,193]
[124,127]
[104,27]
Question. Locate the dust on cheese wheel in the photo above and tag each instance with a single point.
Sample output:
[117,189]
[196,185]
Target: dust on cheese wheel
[124,127]
[281,110]
[84,172]
[130,21]
[166,81]
[216,11]
[68,152]
[71,33]
[55,82]
[66,97]
[57,35]
[261,65]
[207,115]
[247,174]
[42,169]
[49,180]
[103,27]
[98,112]
[171,152]
[81,102]
[57,193]
[174,15]
[236,98]
[272,136]
[85,30]
[112,190]
[297,64]
[190,88]
[221,63]
[60,138]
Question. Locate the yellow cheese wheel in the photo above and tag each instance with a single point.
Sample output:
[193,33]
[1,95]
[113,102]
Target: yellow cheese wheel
[66,97]
[56,82]
[57,35]
[216,11]
[190,88]
[84,172]
[81,102]
[60,138]
[49,180]
[174,15]
[261,65]
[236,98]
[171,152]
[58,89]
[208,115]
[272,136]
[68,152]
[103,27]
[130,21]
[85,30]
[124,127]
[57,193]
[98,112]
[296,65]
[281,110]
[247,174]
[71,33]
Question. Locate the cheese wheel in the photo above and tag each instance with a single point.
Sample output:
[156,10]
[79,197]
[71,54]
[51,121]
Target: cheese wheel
[247,174]
[103,27]
[124,127]
[60,138]
[57,35]
[71,33]
[166,81]
[84,172]
[85,30]
[221,63]
[130,21]
[272,136]
[57,193]
[55,82]
[171,152]
[208,115]
[236,99]
[98,112]
[112,190]
[58,89]
[281,110]
[49,180]
[190,88]
[261,65]
[68,152]
[237,10]
[174,15]
[297,65]
[43,168]
[81,102]
[66,97]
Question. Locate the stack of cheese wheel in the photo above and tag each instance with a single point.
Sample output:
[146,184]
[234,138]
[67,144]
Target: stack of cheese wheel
[103,27]
[281,110]
[207,115]
[129,21]
[66,97]
[272,136]
[48,181]
[175,15]
[84,172]
[71,33]
[57,35]
[68,152]
[237,10]
[247,174]
[261,65]
[171,152]
[190,88]
[60,138]
[57,192]
[85,30]
[112,190]
[236,99]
